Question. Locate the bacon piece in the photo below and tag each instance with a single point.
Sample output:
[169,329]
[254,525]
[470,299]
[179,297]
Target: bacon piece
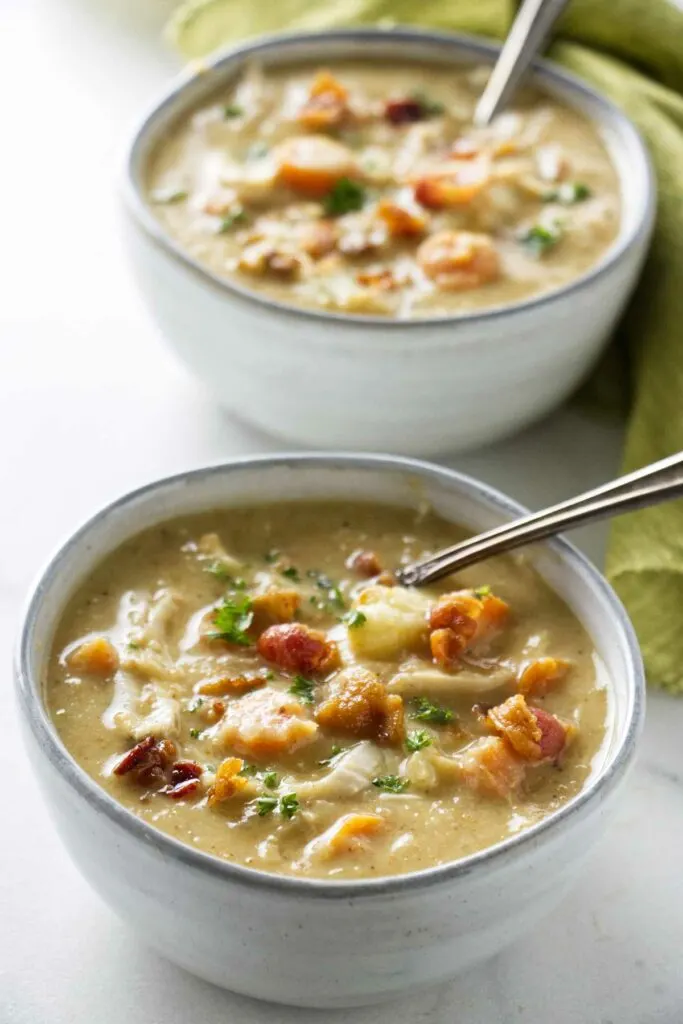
[327,103]
[401,221]
[96,657]
[298,648]
[490,767]
[266,724]
[404,111]
[494,615]
[453,625]
[516,722]
[148,760]
[184,782]
[228,781]
[384,280]
[358,703]
[554,734]
[225,685]
[365,563]
[540,675]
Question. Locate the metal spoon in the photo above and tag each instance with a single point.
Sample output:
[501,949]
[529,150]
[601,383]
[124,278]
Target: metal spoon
[525,39]
[661,481]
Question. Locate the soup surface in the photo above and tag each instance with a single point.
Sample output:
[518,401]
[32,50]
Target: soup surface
[366,189]
[253,683]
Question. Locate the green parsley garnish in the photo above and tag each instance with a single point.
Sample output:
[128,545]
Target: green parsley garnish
[271,556]
[390,783]
[194,733]
[425,711]
[334,752]
[269,675]
[133,645]
[291,572]
[236,216]
[289,805]
[539,239]
[345,197]
[265,804]
[430,108]
[232,620]
[195,704]
[333,593]
[218,570]
[568,193]
[482,592]
[167,196]
[232,110]
[354,619]
[271,780]
[248,769]
[418,739]
[303,689]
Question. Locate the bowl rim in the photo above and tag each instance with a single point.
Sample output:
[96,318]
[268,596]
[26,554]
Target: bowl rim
[36,717]
[545,72]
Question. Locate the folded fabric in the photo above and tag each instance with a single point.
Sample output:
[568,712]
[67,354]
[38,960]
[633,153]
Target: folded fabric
[632,51]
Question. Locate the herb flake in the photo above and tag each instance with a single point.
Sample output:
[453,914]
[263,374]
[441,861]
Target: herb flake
[232,620]
[390,783]
[426,711]
[289,805]
[302,688]
[354,619]
[430,108]
[346,196]
[265,804]
[231,110]
[271,780]
[568,193]
[539,239]
[418,739]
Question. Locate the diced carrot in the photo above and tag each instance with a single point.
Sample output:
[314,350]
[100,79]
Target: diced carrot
[326,105]
[540,676]
[456,185]
[313,164]
[97,657]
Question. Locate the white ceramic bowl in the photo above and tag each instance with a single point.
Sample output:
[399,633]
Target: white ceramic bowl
[318,942]
[416,387]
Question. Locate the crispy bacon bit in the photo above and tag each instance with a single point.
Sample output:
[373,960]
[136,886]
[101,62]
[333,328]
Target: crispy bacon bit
[490,767]
[494,615]
[228,782]
[96,657]
[319,238]
[298,648]
[327,103]
[453,625]
[404,111]
[266,724]
[540,675]
[148,759]
[516,723]
[554,734]
[358,703]
[401,221]
[273,607]
[446,646]
[185,777]
[365,563]
[224,685]
[384,280]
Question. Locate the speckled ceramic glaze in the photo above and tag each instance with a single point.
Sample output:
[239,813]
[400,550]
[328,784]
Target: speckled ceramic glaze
[416,387]
[312,942]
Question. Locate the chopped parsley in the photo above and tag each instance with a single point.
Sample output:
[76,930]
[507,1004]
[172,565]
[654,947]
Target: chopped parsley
[482,592]
[291,572]
[195,704]
[271,780]
[430,108]
[332,592]
[303,689]
[271,556]
[269,675]
[236,216]
[265,804]
[345,197]
[218,570]
[331,756]
[232,620]
[194,733]
[390,783]
[425,711]
[539,238]
[289,805]
[232,110]
[418,739]
[133,645]
[354,619]
[248,769]
[568,193]
[167,196]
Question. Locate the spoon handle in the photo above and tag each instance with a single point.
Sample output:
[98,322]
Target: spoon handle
[526,37]
[661,481]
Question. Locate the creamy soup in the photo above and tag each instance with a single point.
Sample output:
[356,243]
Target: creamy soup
[255,684]
[367,190]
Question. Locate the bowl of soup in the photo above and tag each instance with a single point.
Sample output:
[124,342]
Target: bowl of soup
[329,243]
[291,775]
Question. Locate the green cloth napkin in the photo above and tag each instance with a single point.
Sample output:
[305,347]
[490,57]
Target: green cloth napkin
[632,51]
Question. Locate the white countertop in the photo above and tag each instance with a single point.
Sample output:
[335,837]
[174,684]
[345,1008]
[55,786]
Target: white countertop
[91,405]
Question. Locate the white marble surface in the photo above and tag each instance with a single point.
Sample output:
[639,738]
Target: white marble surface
[91,405]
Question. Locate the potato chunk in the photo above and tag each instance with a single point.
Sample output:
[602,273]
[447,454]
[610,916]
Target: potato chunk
[395,622]
[266,724]
[359,704]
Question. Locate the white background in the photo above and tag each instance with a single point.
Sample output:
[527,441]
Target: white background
[91,405]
